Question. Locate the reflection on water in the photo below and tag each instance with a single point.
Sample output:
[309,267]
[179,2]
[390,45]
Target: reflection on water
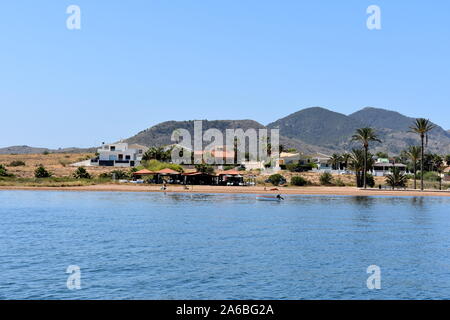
[220,246]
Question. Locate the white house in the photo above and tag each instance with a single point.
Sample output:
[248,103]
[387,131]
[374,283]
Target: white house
[383,167]
[322,161]
[119,155]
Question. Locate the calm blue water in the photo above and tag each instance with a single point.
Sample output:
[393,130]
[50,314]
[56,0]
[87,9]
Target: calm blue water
[183,246]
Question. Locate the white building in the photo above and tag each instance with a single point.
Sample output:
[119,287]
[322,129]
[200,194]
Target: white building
[119,155]
[383,167]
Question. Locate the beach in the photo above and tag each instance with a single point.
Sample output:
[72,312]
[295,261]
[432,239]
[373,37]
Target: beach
[312,190]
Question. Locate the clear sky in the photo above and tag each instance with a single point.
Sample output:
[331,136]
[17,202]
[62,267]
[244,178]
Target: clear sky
[136,63]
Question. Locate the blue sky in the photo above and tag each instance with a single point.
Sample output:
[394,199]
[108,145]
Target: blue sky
[136,63]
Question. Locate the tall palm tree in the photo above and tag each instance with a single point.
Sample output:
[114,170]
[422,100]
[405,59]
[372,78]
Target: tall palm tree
[422,126]
[414,153]
[365,136]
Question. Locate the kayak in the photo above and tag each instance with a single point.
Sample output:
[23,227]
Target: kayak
[268,198]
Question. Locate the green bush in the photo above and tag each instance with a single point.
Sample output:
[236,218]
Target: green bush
[17,163]
[338,182]
[326,178]
[41,172]
[370,180]
[81,173]
[276,179]
[4,172]
[296,167]
[299,181]
[430,176]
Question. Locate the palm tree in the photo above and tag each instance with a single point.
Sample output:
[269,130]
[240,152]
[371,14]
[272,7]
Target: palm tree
[396,178]
[335,161]
[357,164]
[345,159]
[422,126]
[365,136]
[414,153]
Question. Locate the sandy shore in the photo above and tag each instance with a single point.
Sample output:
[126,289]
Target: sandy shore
[347,191]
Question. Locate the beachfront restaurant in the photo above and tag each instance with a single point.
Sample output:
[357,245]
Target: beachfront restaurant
[231,178]
[168,175]
[199,178]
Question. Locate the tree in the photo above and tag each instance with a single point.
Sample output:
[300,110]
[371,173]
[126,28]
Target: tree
[3,171]
[365,136]
[357,164]
[413,153]
[276,179]
[382,155]
[157,153]
[204,168]
[447,159]
[396,179]
[41,172]
[345,159]
[422,127]
[81,173]
[335,161]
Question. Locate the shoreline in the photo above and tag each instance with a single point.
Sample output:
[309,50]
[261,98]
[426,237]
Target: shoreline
[338,191]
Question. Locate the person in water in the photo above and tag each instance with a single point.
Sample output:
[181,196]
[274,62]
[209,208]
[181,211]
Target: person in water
[280,197]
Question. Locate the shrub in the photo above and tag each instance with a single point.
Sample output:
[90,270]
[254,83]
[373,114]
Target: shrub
[296,167]
[81,173]
[17,163]
[119,174]
[4,172]
[430,176]
[370,180]
[396,179]
[155,165]
[326,178]
[276,179]
[338,182]
[299,181]
[41,172]
[45,152]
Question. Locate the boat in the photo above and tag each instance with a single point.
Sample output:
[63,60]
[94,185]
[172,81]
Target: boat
[269,198]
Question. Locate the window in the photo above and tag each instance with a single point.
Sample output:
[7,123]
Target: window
[112,148]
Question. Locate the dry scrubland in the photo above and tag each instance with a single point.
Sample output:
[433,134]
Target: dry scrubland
[57,163]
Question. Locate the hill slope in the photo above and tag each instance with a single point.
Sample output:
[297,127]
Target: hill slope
[333,131]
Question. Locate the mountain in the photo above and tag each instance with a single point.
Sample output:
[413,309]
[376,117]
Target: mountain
[309,130]
[394,130]
[333,131]
[317,126]
[160,134]
[33,150]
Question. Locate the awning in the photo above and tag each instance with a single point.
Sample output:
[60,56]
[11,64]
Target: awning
[143,172]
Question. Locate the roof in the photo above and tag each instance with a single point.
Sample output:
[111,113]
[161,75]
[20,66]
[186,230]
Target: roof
[289,155]
[231,172]
[447,169]
[167,171]
[382,164]
[143,172]
[137,146]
